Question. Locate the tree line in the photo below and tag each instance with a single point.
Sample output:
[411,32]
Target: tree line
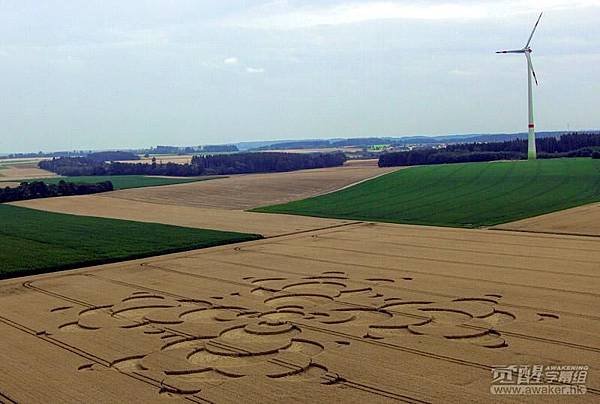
[567,145]
[39,189]
[240,163]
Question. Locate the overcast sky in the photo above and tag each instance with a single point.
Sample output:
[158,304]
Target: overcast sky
[106,74]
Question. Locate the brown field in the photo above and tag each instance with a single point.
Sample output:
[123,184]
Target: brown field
[359,313]
[183,159]
[321,150]
[20,170]
[162,159]
[582,220]
[252,190]
[187,216]
[9,184]
[219,205]
[236,192]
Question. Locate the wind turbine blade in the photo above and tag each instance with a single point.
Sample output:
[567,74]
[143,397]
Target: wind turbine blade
[533,31]
[531,67]
[511,51]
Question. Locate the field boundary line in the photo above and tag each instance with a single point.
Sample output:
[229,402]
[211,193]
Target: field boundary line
[350,185]
[544,232]
[335,226]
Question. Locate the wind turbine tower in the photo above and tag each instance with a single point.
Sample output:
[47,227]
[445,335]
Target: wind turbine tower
[531,152]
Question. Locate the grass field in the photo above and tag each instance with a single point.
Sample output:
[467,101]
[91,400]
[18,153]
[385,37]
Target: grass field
[33,241]
[125,181]
[460,195]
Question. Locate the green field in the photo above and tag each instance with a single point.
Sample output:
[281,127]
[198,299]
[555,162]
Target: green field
[460,195]
[33,241]
[124,181]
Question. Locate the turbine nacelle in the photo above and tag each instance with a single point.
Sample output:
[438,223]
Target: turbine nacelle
[527,50]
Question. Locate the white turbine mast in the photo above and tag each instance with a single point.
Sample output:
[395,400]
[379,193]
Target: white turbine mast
[531,152]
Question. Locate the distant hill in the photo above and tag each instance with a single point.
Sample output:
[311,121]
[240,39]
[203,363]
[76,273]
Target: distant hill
[283,144]
[113,156]
[405,140]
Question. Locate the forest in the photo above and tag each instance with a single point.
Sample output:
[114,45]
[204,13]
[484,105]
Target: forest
[240,163]
[39,189]
[567,145]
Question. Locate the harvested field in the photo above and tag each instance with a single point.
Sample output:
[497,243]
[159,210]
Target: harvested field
[235,192]
[186,216]
[20,171]
[362,163]
[201,205]
[9,184]
[162,160]
[583,220]
[321,150]
[361,313]
[252,190]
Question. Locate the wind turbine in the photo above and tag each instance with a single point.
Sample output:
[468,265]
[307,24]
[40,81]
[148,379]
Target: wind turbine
[531,152]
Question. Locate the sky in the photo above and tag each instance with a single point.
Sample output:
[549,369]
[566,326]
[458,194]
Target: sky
[100,74]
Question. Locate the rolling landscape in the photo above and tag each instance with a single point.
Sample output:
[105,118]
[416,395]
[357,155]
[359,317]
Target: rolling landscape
[332,202]
[312,287]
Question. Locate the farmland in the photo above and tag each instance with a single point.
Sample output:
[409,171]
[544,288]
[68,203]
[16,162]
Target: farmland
[17,169]
[220,204]
[360,313]
[582,220]
[460,195]
[34,241]
[162,159]
[123,181]
[328,310]
[252,190]
[104,205]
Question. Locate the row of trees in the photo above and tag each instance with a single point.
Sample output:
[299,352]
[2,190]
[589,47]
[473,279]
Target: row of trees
[39,189]
[240,163]
[220,148]
[266,162]
[563,144]
[435,156]
[567,145]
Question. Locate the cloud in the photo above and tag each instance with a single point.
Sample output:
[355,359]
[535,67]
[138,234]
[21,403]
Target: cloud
[282,15]
[255,69]
[231,61]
